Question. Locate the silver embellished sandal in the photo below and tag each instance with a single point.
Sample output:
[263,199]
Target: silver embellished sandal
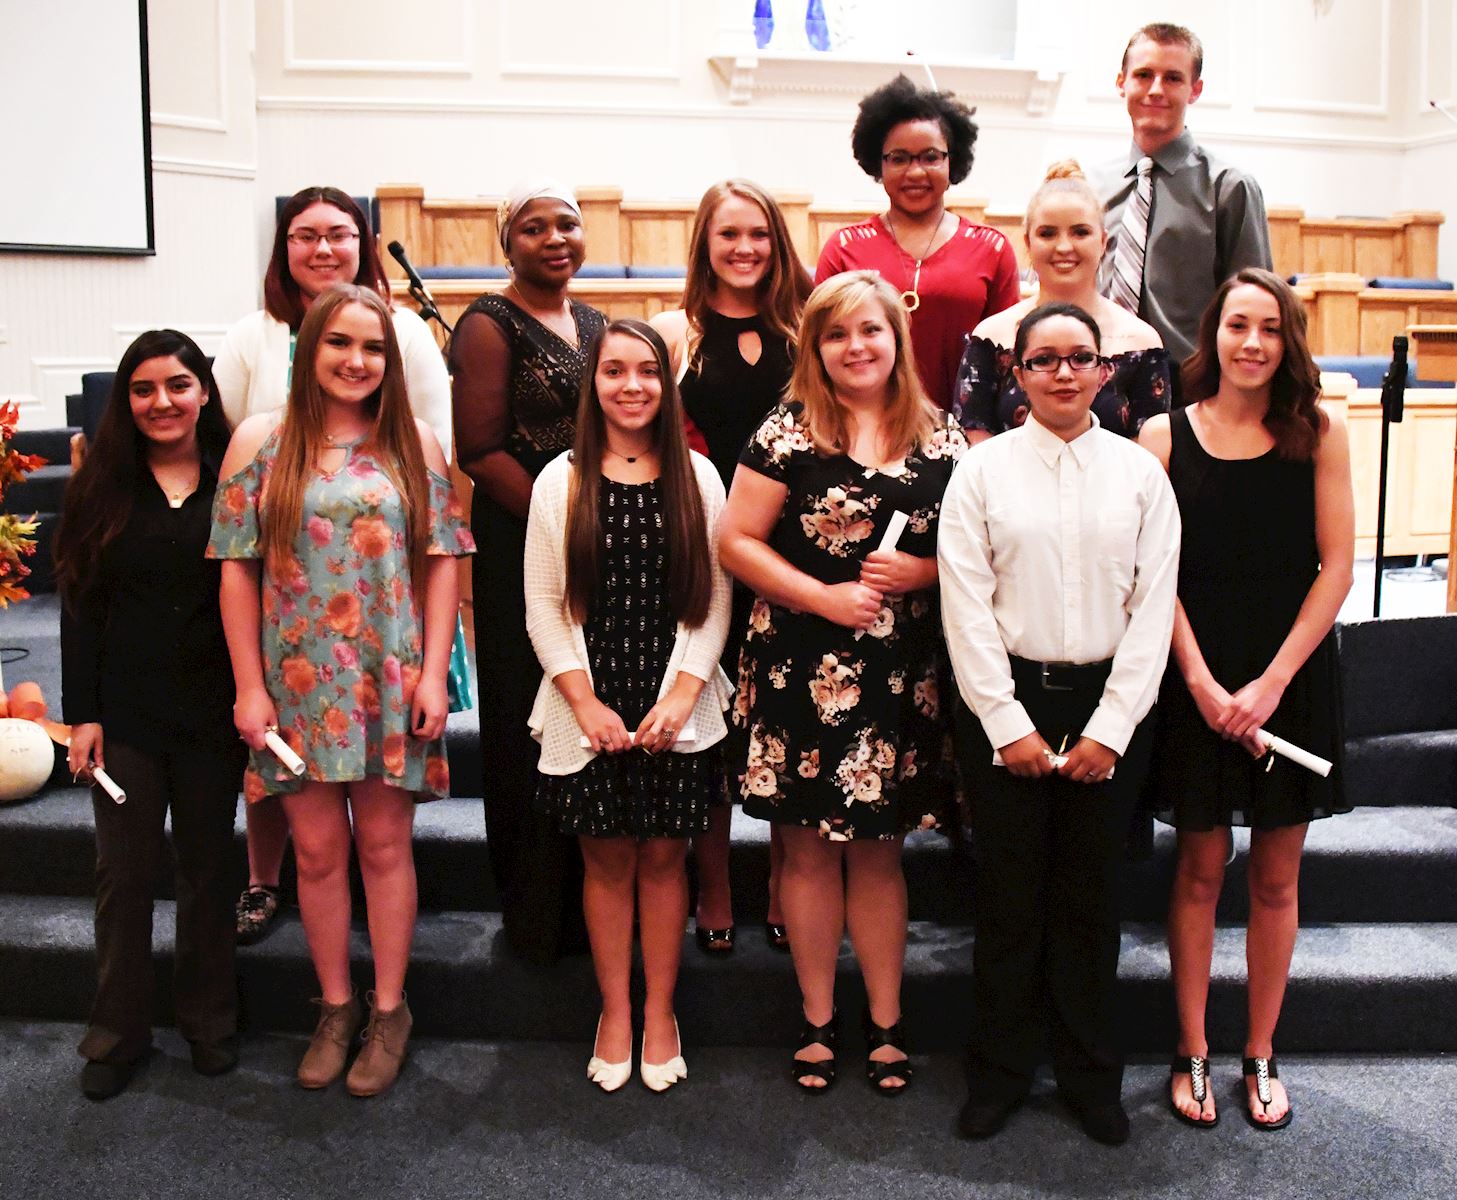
[1196,1067]
[1263,1070]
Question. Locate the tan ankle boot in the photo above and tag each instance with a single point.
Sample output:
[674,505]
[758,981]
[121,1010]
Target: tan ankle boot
[385,1039]
[323,1061]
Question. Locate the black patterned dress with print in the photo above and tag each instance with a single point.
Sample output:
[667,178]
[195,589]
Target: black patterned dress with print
[848,735]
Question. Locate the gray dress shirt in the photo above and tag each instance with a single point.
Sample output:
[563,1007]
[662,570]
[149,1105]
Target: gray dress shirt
[1208,222]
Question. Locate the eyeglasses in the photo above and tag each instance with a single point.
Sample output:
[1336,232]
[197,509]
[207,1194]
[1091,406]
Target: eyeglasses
[1048,363]
[901,159]
[309,238]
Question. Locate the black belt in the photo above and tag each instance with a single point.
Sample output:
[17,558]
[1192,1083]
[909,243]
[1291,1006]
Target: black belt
[1060,676]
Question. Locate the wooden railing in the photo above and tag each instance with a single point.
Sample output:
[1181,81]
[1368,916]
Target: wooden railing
[1347,317]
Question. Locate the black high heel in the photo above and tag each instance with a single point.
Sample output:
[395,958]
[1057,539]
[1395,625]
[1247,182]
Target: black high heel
[714,941]
[777,935]
[826,1035]
[876,1072]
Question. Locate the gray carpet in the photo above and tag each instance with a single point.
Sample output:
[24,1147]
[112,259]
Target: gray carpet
[483,1120]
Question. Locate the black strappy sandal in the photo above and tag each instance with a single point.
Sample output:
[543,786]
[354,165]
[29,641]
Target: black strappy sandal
[876,1072]
[714,941]
[1196,1066]
[826,1035]
[1264,1070]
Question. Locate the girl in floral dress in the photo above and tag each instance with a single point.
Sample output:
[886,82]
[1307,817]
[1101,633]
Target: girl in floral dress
[840,678]
[339,596]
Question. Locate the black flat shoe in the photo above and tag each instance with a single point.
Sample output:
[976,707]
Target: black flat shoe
[877,1072]
[216,1057]
[981,1119]
[1263,1070]
[1196,1066]
[826,1035]
[1105,1123]
[103,1080]
[255,913]
[714,941]
[777,936]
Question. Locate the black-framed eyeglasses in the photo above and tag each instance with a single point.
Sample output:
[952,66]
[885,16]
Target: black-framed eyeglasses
[309,238]
[1047,363]
[901,159]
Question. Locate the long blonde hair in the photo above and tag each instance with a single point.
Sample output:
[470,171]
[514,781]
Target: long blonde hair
[393,438]
[781,292]
[911,416]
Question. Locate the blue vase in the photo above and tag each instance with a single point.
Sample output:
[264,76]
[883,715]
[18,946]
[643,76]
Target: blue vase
[816,28]
[763,22]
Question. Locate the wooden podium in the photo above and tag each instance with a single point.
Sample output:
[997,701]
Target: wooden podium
[1436,354]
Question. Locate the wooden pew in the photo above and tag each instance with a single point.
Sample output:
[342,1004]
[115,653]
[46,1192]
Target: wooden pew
[1347,317]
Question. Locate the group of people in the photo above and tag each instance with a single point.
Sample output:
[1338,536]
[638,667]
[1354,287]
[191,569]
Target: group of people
[888,550]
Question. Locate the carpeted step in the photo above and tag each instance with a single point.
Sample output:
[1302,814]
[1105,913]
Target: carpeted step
[1353,988]
[40,491]
[53,445]
[1403,768]
[1372,865]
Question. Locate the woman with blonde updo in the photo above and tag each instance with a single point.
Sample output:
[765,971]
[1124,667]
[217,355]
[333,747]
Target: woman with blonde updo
[1065,238]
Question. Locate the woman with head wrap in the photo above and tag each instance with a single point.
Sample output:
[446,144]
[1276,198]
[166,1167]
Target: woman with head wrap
[517,359]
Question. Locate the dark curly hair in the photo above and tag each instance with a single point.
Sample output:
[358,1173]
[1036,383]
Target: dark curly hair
[901,100]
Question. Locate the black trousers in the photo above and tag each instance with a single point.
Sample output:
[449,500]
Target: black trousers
[200,786]
[1049,856]
[538,869]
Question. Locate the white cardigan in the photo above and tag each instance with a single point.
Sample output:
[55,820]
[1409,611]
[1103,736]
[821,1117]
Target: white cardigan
[251,370]
[561,644]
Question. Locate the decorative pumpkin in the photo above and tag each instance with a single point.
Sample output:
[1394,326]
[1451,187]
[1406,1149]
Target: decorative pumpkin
[26,758]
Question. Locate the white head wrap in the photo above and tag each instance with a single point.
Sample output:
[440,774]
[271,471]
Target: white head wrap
[521,195]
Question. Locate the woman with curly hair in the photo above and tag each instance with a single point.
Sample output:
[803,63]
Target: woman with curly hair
[840,678]
[1263,478]
[733,345]
[951,274]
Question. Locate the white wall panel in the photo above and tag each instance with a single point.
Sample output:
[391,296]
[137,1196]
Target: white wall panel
[190,91]
[380,37]
[635,39]
[1344,63]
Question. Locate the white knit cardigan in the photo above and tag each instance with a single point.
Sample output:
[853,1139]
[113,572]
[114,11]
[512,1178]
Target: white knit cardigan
[561,644]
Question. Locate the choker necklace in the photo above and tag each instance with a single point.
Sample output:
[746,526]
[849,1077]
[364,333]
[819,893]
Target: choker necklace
[912,299]
[629,458]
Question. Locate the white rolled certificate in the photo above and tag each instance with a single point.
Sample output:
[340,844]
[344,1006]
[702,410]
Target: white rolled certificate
[283,752]
[889,540]
[1301,758]
[108,785]
[685,735]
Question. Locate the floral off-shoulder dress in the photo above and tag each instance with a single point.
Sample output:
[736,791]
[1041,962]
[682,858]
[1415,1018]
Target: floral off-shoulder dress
[848,735]
[342,638]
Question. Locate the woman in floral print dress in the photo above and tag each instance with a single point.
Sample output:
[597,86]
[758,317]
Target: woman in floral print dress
[839,683]
[339,598]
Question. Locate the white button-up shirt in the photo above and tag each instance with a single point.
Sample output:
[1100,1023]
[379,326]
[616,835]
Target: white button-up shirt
[1062,552]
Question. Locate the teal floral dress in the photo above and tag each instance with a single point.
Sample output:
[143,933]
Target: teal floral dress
[343,639]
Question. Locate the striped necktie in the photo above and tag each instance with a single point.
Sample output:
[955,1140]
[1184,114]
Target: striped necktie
[1125,283]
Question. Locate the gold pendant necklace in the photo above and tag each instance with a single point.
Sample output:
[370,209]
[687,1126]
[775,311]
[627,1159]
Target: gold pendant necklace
[912,298]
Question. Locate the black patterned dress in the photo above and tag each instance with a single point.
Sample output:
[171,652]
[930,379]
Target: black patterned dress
[847,735]
[630,633]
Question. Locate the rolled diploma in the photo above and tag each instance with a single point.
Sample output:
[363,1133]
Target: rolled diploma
[686,734]
[893,530]
[1058,761]
[283,752]
[108,785]
[1301,758]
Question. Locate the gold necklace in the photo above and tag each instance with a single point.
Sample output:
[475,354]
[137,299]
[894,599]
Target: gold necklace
[912,298]
[177,493]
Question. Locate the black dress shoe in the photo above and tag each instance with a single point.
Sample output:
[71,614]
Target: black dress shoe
[215,1058]
[982,1118]
[1106,1123]
[103,1080]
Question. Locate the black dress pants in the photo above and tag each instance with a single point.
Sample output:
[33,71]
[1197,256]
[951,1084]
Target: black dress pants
[200,786]
[1049,856]
[538,869]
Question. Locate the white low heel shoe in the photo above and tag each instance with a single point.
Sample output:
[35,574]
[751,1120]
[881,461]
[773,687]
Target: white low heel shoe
[659,1077]
[608,1076]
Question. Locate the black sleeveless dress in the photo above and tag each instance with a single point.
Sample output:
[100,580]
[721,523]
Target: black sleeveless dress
[1247,560]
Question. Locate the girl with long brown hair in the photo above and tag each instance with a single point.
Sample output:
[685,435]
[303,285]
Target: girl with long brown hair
[627,610]
[840,678]
[1263,479]
[338,533]
[733,345]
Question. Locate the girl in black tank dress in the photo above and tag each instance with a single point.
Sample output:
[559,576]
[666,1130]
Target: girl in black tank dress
[733,346]
[1263,480]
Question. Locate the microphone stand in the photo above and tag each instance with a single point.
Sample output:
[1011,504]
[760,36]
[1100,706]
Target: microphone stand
[428,311]
[1393,394]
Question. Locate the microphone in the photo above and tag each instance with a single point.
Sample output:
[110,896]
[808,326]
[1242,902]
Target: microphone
[1393,386]
[417,285]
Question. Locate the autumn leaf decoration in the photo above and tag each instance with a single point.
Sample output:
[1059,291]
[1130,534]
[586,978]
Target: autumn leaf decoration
[17,534]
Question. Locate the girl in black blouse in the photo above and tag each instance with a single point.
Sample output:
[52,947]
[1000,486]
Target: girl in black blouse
[148,689]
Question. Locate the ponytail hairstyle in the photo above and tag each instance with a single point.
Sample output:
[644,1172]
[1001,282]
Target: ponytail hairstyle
[99,497]
[1293,417]
[394,439]
[690,583]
